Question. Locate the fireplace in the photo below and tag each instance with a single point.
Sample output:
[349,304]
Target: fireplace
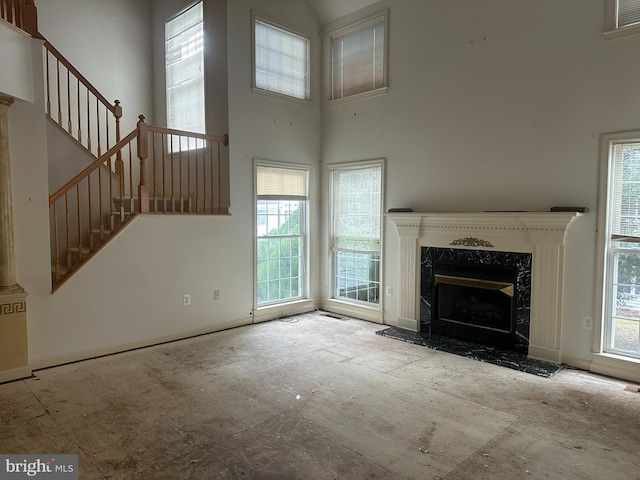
[522,248]
[477,295]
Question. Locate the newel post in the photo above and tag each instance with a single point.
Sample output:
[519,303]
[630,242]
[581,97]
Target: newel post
[143,153]
[117,113]
[31,18]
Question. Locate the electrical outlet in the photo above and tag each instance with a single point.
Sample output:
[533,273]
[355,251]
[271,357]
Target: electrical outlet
[216,294]
[389,291]
[186,300]
[587,323]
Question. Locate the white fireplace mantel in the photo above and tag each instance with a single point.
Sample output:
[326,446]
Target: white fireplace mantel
[540,233]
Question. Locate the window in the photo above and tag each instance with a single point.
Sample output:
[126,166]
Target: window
[358,58]
[621,333]
[184,48]
[623,18]
[281,60]
[356,200]
[281,225]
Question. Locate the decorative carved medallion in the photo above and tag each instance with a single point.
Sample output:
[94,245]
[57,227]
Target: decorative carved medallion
[472,242]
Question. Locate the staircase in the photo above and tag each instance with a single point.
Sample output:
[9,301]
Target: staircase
[151,170]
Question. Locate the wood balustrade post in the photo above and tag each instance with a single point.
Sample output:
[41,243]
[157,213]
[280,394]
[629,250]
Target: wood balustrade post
[117,113]
[30,13]
[143,153]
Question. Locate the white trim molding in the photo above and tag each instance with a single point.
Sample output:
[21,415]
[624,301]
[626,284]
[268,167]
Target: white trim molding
[542,234]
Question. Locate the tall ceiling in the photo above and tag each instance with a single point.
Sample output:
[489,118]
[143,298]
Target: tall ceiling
[329,10]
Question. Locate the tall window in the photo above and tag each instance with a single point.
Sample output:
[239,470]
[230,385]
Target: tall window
[184,42]
[281,60]
[358,58]
[281,226]
[622,248]
[356,200]
[623,18]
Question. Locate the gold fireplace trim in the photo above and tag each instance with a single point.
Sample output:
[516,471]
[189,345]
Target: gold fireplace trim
[504,287]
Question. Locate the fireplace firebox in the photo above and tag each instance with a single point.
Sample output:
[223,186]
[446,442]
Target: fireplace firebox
[477,295]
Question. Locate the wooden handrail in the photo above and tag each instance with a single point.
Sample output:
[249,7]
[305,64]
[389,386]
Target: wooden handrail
[224,139]
[112,107]
[96,164]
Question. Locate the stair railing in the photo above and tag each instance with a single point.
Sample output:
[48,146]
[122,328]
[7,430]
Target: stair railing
[21,14]
[77,107]
[179,173]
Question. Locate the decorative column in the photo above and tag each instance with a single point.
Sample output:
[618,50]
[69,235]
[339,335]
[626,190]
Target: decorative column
[14,358]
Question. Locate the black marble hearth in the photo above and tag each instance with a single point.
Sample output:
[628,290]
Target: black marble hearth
[483,353]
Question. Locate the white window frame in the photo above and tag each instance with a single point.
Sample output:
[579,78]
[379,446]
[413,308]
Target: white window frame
[304,234]
[190,144]
[365,310]
[328,47]
[612,30]
[606,267]
[257,17]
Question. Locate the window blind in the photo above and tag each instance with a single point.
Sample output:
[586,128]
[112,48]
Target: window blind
[281,61]
[185,70]
[281,182]
[627,12]
[625,190]
[358,60]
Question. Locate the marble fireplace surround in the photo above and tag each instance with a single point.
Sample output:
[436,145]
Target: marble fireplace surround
[542,234]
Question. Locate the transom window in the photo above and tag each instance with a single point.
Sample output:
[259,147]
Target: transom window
[184,48]
[281,60]
[358,58]
[623,18]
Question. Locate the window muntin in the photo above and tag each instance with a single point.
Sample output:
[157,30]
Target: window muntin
[356,232]
[281,205]
[184,50]
[622,282]
[281,60]
[358,58]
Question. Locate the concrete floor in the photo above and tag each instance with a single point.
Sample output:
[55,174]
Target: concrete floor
[316,397]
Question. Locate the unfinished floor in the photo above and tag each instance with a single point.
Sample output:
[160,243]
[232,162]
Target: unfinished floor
[315,397]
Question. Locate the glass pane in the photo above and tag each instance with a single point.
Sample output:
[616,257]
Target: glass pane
[625,321]
[357,276]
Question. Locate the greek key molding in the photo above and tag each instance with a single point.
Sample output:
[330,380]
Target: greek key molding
[11,308]
[472,242]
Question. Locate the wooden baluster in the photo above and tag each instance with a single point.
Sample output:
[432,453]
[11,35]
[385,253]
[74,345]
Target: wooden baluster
[189,179]
[98,126]
[154,162]
[56,241]
[69,128]
[19,14]
[79,115]
[66,209]
[164,173]
[196,181]
[58,90]
[111,197]
[117,113]
[219,178]
[88,122]
[79,223]
[91,239]
[180,138]
[173,204]
[212,177]
[131,190]
[101,209]
[46,56]
[143,188]
[204,181]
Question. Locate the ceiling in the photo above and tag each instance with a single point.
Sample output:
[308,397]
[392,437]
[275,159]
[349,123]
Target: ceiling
[329,10]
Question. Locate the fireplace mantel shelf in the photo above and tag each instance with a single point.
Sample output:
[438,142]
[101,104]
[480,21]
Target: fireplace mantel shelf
[541,233]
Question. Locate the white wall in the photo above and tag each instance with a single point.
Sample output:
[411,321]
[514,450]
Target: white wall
[16,81]
[110,44]
[495,105]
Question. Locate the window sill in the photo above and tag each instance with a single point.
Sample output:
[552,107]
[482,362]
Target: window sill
[616,366]
[280,96]
[371,314]
[358,96]
[287,308]
[622,32]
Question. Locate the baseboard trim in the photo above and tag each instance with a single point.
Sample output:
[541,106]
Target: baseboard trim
[575,362]
[408,324]
[356,311]
[544,353]
[57,360]
[15,374]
